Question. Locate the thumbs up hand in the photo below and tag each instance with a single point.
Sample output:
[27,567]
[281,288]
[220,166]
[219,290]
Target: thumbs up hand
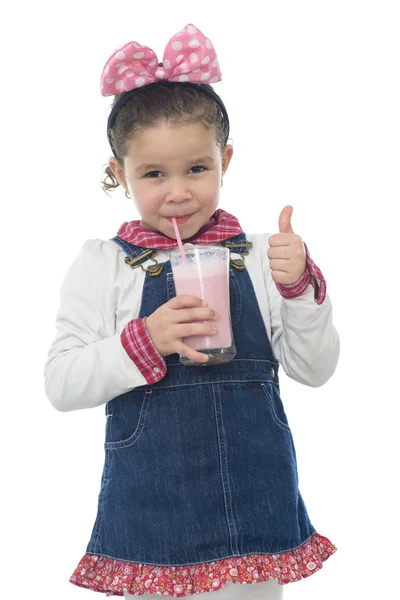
[287,253]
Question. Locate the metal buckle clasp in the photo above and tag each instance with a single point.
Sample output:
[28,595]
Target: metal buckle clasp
[238,263]
[153,270]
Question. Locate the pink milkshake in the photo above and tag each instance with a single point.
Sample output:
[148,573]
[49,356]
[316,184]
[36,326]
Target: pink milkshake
[203,271]
[213,288]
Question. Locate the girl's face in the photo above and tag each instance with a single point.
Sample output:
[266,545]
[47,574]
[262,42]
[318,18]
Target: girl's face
[174,170]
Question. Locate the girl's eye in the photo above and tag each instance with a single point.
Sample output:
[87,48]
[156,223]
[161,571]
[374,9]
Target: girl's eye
[157,174]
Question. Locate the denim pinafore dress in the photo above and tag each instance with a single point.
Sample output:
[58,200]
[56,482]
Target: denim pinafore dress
[201,465]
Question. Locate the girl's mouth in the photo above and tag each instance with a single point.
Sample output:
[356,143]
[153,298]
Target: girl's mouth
[180,220]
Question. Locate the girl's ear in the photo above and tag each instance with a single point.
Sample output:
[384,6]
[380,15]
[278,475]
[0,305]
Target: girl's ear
[226,157]
[118,172]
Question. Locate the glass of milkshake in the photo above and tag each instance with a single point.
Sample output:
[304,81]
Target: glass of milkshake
[203,271]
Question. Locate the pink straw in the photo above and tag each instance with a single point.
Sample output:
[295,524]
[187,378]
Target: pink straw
[178,236]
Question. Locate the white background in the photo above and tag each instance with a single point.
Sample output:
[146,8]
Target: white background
[312,90]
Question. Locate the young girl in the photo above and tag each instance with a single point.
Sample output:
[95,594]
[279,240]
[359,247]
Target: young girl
[199,491]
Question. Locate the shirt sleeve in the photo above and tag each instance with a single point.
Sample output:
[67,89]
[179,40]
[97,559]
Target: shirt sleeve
[312,275]
[140,348]
[304,338]
[87,365]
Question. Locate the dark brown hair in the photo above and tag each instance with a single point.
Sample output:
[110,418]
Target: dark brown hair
[175,104]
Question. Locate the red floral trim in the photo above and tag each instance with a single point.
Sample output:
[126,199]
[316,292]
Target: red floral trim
[110,576]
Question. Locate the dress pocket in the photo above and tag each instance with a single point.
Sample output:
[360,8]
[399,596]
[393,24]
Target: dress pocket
[276,406]
[126,418]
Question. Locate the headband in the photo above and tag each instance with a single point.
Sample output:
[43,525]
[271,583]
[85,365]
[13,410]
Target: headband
[189,59]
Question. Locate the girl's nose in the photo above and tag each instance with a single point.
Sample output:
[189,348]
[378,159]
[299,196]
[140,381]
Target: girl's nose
[178,192]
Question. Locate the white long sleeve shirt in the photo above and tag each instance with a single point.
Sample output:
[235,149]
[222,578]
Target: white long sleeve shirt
[87,365]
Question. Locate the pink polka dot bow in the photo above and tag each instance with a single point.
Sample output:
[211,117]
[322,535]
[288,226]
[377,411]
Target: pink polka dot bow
[188,56]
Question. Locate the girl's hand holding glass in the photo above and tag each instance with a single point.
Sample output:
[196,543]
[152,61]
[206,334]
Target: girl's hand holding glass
[177,319]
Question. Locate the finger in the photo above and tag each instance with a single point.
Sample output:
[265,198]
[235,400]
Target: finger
[284,222]
[279,239]
[188,315]
[184,330]
[185,301]
[280,265]
[282,252]
[281,278]
[191,354]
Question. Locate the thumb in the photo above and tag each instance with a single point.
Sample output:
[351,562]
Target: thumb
[285,225]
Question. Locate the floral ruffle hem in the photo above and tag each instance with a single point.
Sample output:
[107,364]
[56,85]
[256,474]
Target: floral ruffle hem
[112,577]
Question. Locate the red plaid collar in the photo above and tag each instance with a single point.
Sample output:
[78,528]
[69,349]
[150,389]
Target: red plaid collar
[226,226]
